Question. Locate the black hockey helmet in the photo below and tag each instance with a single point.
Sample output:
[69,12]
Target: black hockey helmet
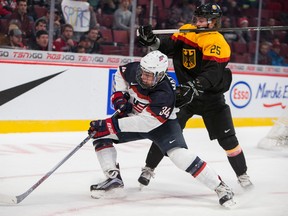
[209,11]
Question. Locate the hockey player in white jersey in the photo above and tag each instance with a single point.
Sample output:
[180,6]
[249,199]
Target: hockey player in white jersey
[146,97]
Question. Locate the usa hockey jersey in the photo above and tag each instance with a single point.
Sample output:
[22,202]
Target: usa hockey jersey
[151,107]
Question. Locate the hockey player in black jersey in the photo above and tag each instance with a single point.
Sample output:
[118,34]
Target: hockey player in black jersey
[200,61]
[146,97]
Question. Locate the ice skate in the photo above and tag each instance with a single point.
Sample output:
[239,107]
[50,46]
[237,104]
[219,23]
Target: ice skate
[146,175]
[225,195]
[244,181]
[110,188]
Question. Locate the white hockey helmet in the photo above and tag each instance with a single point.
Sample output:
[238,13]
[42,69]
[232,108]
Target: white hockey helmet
[155,63]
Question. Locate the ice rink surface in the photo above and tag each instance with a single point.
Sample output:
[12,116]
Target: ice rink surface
[25,158]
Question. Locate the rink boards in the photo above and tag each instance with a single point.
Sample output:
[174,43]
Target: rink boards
[42,91]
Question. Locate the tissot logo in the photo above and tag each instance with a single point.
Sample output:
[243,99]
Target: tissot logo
[11,93]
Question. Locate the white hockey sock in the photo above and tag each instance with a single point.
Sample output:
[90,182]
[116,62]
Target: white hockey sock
[107,159]
[181,157]
[189,162]
[209,178]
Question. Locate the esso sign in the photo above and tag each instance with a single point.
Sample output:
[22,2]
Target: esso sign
[240,94]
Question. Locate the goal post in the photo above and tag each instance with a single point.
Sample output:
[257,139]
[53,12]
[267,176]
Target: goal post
[277,137]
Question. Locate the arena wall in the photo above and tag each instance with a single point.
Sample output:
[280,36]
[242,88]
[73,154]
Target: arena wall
[51,91]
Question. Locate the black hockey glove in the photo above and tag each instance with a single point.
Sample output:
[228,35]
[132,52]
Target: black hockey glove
[186,92]
[146,36]
[120,101]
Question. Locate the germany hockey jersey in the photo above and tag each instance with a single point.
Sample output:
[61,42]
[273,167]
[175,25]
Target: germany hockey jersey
[199,55]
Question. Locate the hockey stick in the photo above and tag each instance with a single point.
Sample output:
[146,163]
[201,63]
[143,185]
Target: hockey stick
[17,199]
[261,28]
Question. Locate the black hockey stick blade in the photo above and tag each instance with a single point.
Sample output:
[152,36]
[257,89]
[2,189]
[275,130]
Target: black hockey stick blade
[17,199]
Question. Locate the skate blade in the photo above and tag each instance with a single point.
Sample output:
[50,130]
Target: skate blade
[141,186]
[248,187]
[229,204]
[111,194]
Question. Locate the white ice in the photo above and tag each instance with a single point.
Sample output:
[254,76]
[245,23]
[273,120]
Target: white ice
[26,158]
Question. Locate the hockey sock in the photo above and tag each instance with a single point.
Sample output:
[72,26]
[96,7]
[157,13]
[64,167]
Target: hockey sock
[189,162]
[106,154]
[154,156]
[234,153]
[238,163]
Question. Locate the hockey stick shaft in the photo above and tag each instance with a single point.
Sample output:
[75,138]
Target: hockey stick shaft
[17,199]
[261,28]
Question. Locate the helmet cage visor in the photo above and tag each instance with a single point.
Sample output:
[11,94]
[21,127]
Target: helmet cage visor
[148,79]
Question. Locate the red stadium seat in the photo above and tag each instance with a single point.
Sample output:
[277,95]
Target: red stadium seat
[124,50]
[242,58]
[274,6]
[3,25]
[110,50]
[121,36]
[106,20]
[239,47]
[40,11]
[252,47]
[107,36]
[159,4]
[283,50]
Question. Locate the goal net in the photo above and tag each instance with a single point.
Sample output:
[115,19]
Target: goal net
[277,137]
